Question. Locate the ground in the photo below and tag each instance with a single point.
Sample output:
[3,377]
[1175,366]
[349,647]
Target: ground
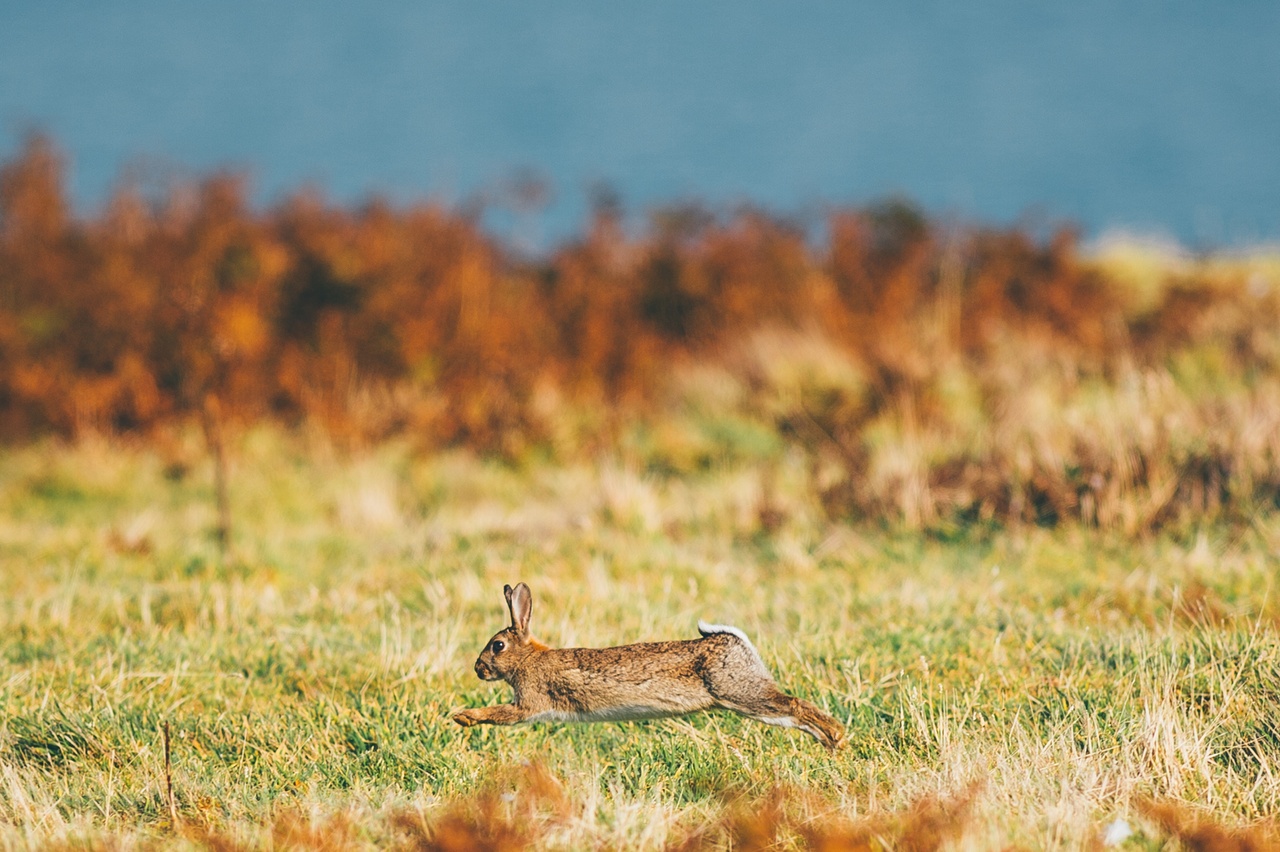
[1019,686]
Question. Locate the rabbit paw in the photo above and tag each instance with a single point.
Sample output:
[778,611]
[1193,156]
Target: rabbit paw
[467,718]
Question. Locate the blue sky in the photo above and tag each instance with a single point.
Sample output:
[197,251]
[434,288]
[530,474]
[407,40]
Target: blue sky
[1156,117]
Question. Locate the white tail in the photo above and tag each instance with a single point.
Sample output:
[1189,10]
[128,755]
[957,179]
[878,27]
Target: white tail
[709,629]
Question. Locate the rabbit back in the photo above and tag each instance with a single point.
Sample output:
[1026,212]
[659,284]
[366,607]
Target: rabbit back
[642,681]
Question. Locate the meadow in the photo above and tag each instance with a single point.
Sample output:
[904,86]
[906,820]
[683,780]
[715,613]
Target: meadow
[1023,687]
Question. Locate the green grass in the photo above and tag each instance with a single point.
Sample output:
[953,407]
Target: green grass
[1074,674]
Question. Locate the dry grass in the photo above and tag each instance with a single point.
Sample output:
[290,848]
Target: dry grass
[1073,676]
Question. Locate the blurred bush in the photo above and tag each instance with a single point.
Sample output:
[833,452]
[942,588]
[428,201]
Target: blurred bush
[929,375]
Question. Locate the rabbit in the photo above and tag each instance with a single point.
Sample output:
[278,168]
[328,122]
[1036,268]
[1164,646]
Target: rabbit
[649,680]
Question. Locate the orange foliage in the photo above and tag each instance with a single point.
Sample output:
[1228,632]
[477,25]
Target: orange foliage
[378,320]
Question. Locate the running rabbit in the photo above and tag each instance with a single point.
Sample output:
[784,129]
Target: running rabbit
[643,681]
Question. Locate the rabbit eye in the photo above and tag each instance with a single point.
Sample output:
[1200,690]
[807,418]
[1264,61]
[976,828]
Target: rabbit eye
[498,645]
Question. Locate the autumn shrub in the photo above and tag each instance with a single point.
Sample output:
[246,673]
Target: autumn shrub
[930,374]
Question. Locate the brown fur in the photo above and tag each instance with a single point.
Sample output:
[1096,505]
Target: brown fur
[643,681]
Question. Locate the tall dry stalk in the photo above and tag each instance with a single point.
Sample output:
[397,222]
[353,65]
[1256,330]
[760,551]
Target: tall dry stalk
[211,420]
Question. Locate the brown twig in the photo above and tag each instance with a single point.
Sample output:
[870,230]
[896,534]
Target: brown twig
[168,779]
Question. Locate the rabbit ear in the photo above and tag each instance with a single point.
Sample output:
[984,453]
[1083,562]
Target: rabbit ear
[520,604]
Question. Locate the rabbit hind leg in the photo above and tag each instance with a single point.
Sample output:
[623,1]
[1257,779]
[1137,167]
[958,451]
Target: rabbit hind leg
[775,707]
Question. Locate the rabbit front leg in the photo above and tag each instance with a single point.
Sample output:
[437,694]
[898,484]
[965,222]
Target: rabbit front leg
[498,714]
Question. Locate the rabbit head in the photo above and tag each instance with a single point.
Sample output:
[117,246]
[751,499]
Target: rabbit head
[510,647]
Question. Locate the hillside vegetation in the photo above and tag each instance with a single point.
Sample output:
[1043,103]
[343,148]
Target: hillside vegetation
[1004,505]
[932,376]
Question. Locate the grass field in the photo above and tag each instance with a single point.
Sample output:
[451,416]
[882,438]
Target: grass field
[1005,686]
